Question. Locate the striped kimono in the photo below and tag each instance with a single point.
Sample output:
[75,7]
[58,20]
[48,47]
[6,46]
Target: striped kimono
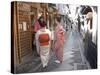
[43,49]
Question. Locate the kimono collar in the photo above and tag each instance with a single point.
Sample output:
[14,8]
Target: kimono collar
[43,29]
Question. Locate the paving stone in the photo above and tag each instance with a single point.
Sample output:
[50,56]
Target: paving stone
[72,57]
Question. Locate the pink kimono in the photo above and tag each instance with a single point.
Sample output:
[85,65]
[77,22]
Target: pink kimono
[59,42]
[36,26]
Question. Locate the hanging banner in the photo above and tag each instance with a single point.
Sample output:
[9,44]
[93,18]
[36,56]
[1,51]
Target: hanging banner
[24,26]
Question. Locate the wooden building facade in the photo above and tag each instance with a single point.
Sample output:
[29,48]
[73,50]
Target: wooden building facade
[23,16]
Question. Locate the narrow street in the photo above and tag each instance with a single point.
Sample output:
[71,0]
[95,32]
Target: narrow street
[80,43]
[73,55]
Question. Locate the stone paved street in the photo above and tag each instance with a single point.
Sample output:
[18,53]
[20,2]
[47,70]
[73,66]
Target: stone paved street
[73,57]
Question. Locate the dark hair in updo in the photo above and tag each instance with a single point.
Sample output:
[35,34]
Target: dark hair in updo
[42,24]
[58,18]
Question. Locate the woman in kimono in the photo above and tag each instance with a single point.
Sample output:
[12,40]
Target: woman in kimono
[59,40]
[43,42]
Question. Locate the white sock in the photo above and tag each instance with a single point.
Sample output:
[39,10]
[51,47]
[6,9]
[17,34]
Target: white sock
[57,61]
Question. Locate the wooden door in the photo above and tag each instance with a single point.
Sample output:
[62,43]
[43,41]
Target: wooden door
[23,34]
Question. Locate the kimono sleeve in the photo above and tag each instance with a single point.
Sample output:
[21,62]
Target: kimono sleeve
[50,35]
[37,42]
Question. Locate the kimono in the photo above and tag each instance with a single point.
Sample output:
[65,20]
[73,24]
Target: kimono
[59,42]
[36,26]
[44,49]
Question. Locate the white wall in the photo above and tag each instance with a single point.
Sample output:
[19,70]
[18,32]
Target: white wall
[94,30]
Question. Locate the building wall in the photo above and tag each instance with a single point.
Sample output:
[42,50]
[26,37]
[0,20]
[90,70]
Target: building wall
[24,35]
[24,29]
[90,41]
